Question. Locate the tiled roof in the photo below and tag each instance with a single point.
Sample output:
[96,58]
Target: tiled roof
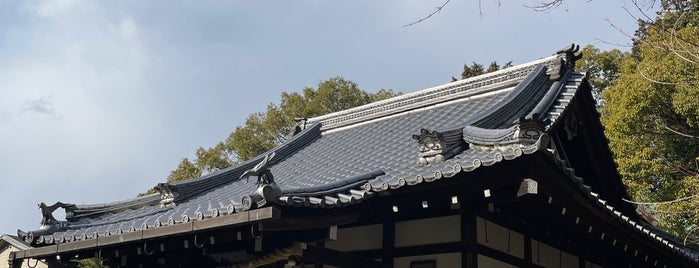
[347,157]
[14,241]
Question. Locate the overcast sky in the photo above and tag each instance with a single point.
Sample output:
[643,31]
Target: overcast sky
[99,100]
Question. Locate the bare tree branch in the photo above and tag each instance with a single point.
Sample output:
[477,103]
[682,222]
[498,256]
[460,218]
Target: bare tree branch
[436,11]
[663,82]
[673,211]
[680,133]
[663,202]
[546,6]
[689,234]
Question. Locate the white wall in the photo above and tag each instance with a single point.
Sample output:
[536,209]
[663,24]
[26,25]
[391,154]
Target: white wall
[499,238]
[5,257]
[551,257]
[428,231]
[358,238]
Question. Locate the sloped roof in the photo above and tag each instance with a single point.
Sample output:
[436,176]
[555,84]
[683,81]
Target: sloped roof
[14,241]
[347,157]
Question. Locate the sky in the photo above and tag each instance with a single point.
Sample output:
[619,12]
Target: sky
[100,100]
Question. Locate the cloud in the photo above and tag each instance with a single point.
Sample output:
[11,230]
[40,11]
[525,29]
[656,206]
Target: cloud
[5,116]
[56,8]
[41,105]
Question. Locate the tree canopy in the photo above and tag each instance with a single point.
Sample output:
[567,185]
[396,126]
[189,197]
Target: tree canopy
[651,117]
[476,69]
[602,67]
[264,130]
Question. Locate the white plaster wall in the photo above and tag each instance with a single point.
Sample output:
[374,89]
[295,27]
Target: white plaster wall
[358,238]
[486,262]
[443,260]
[550,257]
[428,231]
[5,257]
[499,238]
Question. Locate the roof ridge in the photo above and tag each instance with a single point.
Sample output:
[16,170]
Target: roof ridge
[177,191]
[477,85]
[85,210]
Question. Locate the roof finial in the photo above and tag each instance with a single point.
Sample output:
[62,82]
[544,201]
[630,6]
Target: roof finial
[267,191]
[264,176]
[47,218]
[572,53]
[300,125]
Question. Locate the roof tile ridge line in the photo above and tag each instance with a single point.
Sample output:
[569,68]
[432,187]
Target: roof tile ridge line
[525,90]
[458,97]
[588,194]
[546,102]
[78,226]
[347,184]
[139,199]
[572,76]
[186,189]
[89,211]
[437,89]
[540,145]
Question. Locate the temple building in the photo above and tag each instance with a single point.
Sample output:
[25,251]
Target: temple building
[506,169]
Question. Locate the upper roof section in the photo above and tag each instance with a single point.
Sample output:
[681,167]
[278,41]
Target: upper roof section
[555,67]
[346,157]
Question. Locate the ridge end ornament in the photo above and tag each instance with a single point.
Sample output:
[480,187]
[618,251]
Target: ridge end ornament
[264,176]
[267,190]
[438,146]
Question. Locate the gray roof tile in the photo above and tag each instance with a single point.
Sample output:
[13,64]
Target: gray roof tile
[346,157]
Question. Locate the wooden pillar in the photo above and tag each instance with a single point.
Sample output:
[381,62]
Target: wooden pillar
[469,257]
[321,244]
[389,239]
[528,251]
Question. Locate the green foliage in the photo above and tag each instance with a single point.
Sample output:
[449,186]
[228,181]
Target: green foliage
[651,117]
[476,69]
[263,131]
[493,67]
[602,67]
[185,170]
[92,263]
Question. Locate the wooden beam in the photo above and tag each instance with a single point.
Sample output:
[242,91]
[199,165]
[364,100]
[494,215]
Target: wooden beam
[389,238]
[468,240]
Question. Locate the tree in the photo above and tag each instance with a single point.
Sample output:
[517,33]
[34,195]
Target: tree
[651,117]
[476,69]
[92,263]
[602,67]
[493,67]
[185,170]
[263,131]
